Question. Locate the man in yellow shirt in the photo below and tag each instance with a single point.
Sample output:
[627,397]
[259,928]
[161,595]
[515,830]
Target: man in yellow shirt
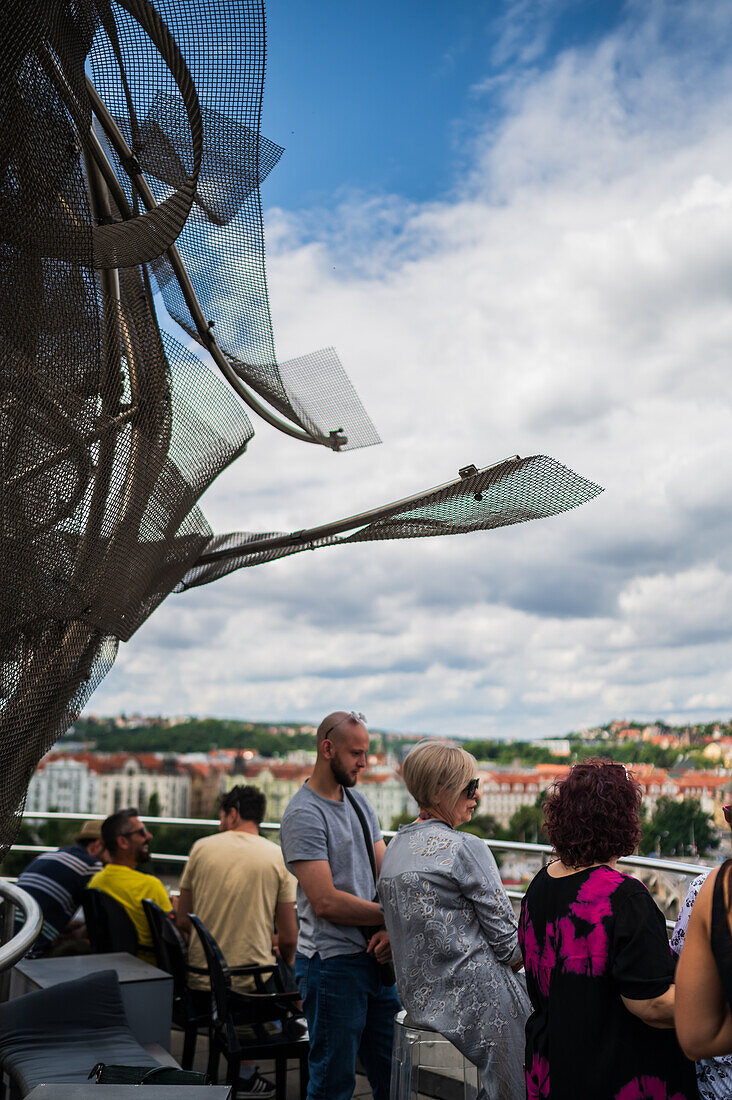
[128,844]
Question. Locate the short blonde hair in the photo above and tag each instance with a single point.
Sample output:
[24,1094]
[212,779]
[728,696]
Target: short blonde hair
[435,772]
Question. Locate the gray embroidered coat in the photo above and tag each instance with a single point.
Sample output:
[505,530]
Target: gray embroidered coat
[453,935]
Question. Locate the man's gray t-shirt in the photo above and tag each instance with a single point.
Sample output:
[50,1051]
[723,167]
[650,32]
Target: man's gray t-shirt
[314,827]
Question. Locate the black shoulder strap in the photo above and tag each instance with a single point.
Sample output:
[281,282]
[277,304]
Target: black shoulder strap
[366,832]
[721,941]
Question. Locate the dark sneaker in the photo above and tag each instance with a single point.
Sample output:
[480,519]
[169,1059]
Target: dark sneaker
[255,1086]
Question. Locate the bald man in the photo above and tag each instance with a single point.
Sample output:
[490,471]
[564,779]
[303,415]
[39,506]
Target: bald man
[341,938]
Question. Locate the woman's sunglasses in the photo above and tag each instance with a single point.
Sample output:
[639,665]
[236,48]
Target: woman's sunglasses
[472,789]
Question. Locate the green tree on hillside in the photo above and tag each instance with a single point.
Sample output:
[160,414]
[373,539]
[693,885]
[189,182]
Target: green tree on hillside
[511,752]
[678,828]
[527,824]
[194,735]
[485,826]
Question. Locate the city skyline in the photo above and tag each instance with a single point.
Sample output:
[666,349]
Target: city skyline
[550,275]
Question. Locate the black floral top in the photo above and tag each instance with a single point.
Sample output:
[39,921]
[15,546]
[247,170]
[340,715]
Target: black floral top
[587,939]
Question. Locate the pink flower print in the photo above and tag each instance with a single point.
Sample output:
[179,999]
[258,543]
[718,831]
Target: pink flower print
[593,899]
[527,941]
[587,953]
[647,1088]
[537,1079]
[539,962]
[582,954]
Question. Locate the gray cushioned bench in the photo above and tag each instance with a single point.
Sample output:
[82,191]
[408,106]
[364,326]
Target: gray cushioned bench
[58,1034]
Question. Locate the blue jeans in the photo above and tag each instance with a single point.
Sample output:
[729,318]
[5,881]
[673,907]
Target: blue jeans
[349,1013]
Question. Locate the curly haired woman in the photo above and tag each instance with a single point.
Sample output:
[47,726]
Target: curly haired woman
[598,966]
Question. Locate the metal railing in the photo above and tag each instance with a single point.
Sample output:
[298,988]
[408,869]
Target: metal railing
[14,945]
[542,850]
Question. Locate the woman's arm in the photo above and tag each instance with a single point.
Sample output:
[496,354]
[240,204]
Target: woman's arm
[478,880]
[656,1011]
[703,1019]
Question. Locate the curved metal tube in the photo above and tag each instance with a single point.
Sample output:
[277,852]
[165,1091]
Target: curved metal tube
[327,530]
[20,944]
[119,143]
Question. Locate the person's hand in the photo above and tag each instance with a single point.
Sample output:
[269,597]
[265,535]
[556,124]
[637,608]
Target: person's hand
[380,947]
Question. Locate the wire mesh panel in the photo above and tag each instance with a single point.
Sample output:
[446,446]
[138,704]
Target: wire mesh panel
[514,491]
[221,243]
[110,430]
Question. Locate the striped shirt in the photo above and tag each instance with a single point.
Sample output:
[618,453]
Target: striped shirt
[56,880]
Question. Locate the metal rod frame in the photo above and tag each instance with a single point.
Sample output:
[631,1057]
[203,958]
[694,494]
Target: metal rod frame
[643,862]
[326,530]
[203,325]
[14,947]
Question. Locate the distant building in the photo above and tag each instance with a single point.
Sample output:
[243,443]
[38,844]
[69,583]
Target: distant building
[207,783]
[617,725]
[90,782]
[65,784]
[707,787]
[502,793]
[388,795]
[129,779]
[280,780]
[655,783]
[305,757]
[277,781]
[557,746]
[719,751]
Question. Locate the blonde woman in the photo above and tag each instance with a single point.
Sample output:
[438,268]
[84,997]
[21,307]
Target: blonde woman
[452,929]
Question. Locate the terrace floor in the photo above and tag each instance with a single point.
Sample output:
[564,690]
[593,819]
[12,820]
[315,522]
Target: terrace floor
[362,1089]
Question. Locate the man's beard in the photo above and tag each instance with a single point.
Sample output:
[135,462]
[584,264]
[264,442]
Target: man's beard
[342,776]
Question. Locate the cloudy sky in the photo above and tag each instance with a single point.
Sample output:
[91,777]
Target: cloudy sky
[514,222]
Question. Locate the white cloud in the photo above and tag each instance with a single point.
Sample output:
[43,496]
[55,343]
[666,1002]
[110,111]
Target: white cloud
[574,299]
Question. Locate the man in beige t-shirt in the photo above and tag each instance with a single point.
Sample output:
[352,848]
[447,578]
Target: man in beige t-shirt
[236,882]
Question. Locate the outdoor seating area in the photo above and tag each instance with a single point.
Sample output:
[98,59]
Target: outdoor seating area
[58,1034]
[67,1014]
[514,217]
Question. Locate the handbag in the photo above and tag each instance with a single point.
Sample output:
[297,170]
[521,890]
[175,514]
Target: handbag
[146,1075]
[386,970]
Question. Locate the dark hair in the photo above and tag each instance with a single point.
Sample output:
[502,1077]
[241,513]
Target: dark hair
[593,814]
[115,825]
[249,802]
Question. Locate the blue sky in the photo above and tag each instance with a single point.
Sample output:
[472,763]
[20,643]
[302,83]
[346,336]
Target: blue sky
[514,222]
[387,98]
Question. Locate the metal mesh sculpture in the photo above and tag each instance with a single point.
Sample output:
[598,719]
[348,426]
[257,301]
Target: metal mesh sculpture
[130,163]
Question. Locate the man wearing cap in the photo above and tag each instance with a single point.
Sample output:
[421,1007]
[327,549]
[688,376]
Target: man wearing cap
[56,881]
[325,831]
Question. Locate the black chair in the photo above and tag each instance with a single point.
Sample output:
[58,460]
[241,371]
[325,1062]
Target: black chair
[108,924]
[238,1023]
[191,1007]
